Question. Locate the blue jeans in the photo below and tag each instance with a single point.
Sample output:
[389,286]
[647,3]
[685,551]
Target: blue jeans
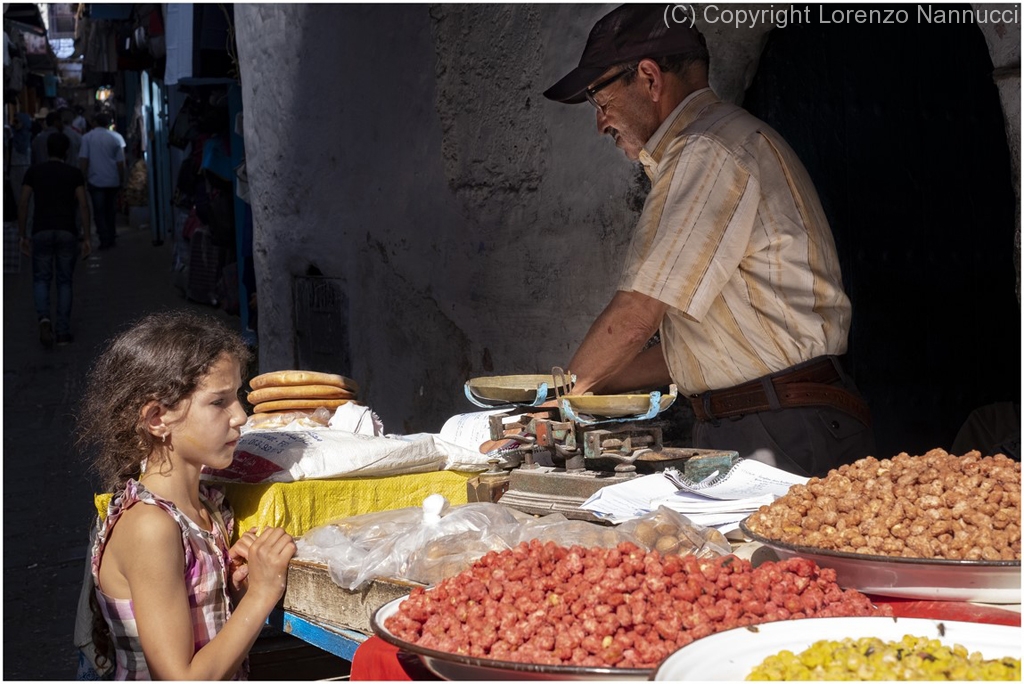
[104,213]
[49,248]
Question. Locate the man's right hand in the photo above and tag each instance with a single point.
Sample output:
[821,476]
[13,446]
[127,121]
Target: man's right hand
[86,247]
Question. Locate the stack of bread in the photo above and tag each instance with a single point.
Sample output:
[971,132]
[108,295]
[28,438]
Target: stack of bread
[288,391]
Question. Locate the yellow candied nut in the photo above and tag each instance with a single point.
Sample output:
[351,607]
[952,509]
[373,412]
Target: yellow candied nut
[871,659]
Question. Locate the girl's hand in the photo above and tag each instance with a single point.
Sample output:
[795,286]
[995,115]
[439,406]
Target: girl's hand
[241,547]
[238,567]
[268,558]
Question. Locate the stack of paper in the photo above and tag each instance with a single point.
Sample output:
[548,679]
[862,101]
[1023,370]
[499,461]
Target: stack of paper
[720,502]
[711,512]
[628,500]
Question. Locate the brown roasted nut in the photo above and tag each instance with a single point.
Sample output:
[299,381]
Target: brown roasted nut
[665,528]
[666,544]
[931,506]
[645,533]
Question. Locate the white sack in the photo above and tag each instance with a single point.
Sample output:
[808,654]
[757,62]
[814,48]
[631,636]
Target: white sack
[288,456]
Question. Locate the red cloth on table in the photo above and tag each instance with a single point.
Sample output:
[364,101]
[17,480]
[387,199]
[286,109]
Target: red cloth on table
[950,610]
[377,660]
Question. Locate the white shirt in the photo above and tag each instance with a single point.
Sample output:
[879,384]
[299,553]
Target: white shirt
[104,149]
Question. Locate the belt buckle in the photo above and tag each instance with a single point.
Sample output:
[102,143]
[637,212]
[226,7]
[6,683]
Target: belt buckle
[705,403]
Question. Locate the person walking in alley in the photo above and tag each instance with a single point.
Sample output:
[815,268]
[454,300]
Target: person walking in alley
[59,190]
[55,124]
[101,159]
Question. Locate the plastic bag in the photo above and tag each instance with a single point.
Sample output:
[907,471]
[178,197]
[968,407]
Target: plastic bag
[441,545]
[330,546]
[416,544]
[429,543]
[668,531]
[564,532]
[288,420]
[370,528]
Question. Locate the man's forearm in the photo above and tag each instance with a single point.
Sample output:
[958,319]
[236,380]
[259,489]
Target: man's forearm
[645,372]
[614,340]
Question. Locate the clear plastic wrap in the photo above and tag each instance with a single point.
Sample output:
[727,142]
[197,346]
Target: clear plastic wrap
[368,529]
[564,532]
[332,547]
[446,546]
[436,541]
[288,420]
[668,531]
[417,544]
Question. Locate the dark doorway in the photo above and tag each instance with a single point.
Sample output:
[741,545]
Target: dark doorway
[901,128]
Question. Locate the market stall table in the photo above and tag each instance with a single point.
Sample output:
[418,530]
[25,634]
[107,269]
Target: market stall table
[339,642]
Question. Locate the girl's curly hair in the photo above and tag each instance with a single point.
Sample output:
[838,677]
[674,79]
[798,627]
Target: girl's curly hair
[163,357]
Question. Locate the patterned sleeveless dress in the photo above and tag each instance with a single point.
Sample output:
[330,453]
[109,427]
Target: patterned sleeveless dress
[205,572]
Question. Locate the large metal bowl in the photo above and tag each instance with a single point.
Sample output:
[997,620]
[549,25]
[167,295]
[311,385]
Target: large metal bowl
[463,668]
[913,578]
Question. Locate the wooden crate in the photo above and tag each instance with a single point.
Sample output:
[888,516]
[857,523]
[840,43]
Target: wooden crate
[313,594]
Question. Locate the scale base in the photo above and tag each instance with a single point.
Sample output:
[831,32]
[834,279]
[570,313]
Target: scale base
[542,489]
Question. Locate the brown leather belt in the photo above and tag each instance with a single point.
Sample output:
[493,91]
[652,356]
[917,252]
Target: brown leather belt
[807,384]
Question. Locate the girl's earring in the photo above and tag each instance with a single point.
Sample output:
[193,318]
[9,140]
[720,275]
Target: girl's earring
[163,438]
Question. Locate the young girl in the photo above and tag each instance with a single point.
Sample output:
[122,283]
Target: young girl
[176,602]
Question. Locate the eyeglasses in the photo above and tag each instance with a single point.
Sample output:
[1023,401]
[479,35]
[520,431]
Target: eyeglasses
[594,90]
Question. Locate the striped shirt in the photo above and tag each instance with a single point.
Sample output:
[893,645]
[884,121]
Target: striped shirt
[205,573]
[734,240]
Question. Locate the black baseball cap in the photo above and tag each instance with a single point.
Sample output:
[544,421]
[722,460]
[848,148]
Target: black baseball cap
[626,34]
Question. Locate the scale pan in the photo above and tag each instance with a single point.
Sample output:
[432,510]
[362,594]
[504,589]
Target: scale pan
[518,389]
[616,405]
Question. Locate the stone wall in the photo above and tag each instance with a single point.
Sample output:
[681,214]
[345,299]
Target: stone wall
[475,227]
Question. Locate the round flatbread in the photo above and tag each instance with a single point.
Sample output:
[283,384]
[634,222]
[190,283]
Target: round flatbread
[289,404]
[299,392]
[284,378]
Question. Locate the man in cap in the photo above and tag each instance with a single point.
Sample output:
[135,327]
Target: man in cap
[732,260]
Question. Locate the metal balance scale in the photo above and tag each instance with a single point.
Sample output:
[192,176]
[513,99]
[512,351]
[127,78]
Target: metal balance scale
[560,448]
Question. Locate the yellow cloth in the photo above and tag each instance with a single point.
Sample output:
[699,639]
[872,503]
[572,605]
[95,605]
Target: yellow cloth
[300,506]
